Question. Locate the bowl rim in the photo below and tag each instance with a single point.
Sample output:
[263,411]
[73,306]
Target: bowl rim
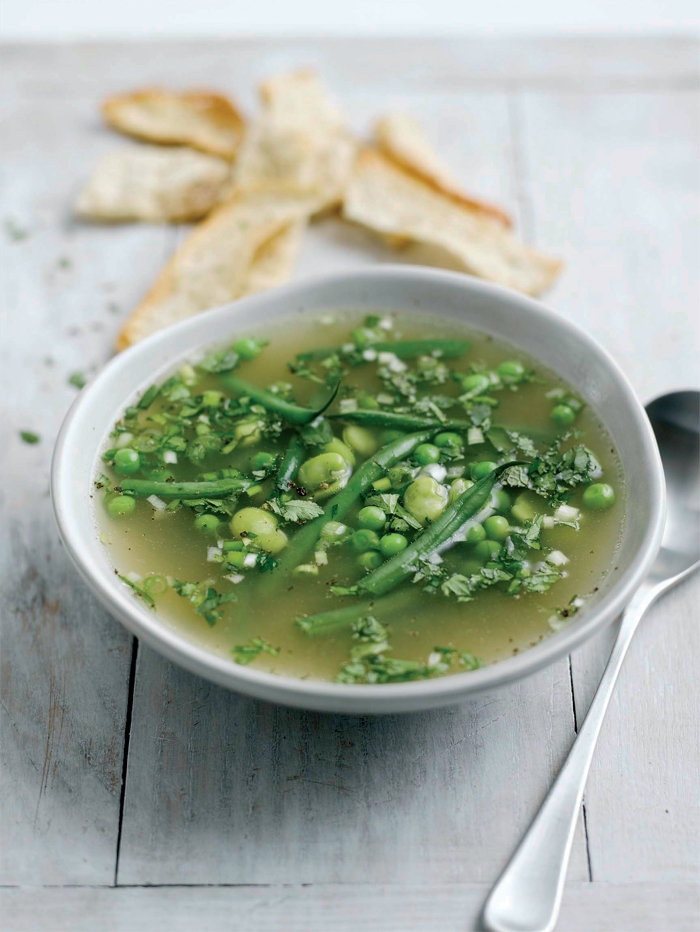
[329,696]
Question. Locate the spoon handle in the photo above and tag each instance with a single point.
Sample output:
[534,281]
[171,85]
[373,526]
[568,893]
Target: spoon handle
[528,894]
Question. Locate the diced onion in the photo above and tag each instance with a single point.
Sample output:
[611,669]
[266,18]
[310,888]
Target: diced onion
[548,522]
[250,559]
[157,503]
[321,558]
[385,399]
[124,440]
[348,405]
[235,578]
[434,659]
[134,577]
[566,513]
[213,553]
[170,456]
[557,558]
[369,354]
[386,323]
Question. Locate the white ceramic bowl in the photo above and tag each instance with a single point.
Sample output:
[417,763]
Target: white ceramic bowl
[524,322]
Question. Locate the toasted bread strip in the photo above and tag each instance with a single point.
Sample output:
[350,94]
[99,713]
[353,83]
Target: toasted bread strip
[153,184]
[395,203]
[300,138]
[401,138]
[273,263]
[216,263]
[200,119]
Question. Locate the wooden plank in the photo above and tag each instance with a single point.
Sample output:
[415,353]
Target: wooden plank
[597,907]
[402,65]
[614,179]
[222,789]
[65,662]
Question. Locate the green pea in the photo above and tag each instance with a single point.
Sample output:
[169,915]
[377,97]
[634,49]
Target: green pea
[207,524]
[448,439]
[481,470]
[337,446]
[391,544]
[262,460]
[370,560]
[371,517]
[363,540]
[426,453]
[127,462]
[486,549]
[497,528]
[599,496]
[249,347]
[368,403]
[425,498]
[511,371]
[121,505]
[475,534]
[501,501]
[361,440]
[326,473]
[476,384]
[562,415]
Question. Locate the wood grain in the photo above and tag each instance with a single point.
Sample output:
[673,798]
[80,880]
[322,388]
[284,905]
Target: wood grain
[630,234]
[587,907]
[223,789]
[65,662]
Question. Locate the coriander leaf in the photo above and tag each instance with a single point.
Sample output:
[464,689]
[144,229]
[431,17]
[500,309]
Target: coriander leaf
[317,433]
[297,510]
[28,437]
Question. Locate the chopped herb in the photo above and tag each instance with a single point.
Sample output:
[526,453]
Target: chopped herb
[77,379]
[14,231]
[296,511]
[29,437]
[245,653]
[206,600]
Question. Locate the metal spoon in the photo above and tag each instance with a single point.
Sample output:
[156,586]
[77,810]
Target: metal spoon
[528,894]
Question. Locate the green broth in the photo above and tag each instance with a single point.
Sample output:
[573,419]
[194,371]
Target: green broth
[491,627]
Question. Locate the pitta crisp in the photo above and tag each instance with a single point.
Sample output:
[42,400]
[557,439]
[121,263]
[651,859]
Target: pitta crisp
[394,203]
[154,184]
[273,263]
[215,264]
[300,138]
[200,119]
[401,138]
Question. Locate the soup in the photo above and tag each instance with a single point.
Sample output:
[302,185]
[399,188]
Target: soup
[365,499]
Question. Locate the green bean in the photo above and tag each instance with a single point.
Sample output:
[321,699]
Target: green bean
[212,489]
[290,464]
[338,506]
[404,349]
[399,421]
[398,568]
[293,413]
[326,622]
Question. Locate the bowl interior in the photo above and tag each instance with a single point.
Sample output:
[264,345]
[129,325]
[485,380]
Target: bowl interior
[507,315]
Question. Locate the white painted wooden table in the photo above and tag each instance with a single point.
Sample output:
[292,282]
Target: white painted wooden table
[137,796]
